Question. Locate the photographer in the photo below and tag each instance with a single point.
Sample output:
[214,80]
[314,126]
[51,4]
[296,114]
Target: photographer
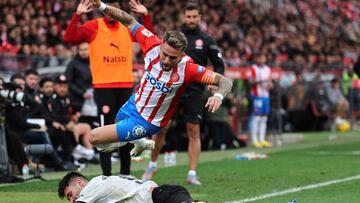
[16,121]
[14,145]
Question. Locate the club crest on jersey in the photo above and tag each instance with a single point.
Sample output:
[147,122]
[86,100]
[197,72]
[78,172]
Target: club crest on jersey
[158,84]
[175,77]
[200,69]
[138,131]
[199,44]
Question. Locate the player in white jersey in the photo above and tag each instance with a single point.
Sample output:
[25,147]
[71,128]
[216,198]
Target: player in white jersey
[168,71]
[110,189]
[260,80]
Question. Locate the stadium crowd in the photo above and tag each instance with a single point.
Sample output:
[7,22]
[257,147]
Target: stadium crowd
[324,34]
[32,32]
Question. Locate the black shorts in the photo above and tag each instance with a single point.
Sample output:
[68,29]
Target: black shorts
[190,108]
[171,193]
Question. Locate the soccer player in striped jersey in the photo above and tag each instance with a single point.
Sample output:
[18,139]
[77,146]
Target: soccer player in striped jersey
[168,71]
[260,80]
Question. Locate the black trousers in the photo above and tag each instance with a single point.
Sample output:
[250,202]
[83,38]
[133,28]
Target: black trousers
[15,149]
[109,101]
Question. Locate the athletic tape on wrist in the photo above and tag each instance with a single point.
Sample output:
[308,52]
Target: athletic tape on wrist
[102,7]
[219,95]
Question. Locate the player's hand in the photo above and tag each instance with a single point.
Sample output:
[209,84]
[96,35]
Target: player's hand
[137,7]
[213,103]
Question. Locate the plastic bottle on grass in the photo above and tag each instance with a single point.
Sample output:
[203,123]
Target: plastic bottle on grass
[25,171]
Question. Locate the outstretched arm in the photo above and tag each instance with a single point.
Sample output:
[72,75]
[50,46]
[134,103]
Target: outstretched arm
[116,13]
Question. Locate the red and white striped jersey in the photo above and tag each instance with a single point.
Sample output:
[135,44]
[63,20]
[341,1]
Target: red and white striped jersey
[260,73]
[159,91]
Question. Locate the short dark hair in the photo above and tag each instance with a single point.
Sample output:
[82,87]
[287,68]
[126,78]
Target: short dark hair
[44,80]
[191,5]
[16,76]
[66,180]
[176,40]
[31,72]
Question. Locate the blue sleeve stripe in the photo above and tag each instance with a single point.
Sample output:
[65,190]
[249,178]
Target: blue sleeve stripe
[136,27]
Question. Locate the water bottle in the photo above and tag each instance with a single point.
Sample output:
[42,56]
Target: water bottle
[172,158]
[25,171]
[167,159]
[240,157]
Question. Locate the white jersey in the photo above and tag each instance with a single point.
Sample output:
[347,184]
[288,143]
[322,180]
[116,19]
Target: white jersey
[260,73]
[102,189]
[159,91]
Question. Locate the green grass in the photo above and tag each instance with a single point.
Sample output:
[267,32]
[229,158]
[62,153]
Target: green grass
[313,160]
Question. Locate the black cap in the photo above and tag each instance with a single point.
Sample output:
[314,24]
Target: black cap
[60,79]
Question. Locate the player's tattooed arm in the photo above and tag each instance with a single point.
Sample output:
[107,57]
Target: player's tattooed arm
[121,16]
[224,84]
[116,13]
[224,87]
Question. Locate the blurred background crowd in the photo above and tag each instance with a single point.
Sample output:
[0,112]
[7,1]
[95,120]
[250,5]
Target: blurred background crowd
[324,33]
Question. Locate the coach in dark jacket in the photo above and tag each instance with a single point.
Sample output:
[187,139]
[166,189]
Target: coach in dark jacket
[201,47]
[79,77]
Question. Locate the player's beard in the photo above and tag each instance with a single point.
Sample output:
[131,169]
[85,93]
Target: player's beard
[165,68]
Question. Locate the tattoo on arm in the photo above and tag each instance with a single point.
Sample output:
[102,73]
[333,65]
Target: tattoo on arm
[224,84]
[121,16]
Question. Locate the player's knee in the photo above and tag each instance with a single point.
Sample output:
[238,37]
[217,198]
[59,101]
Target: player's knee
[94,136]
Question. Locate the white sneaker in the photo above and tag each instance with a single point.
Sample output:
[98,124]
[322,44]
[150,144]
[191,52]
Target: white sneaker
[110,146]
[138,149]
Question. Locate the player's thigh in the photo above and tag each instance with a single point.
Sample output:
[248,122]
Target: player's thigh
[132,128]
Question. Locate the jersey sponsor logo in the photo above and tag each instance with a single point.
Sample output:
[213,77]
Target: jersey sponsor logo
[138,131]
[200,69]
[146,33]
[158,84]
[114,59]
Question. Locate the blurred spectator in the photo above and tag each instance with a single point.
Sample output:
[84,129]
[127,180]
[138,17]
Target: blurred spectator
[297,102]
[338,102]
[81,93]
[220,134]
[57,131]
[62,113]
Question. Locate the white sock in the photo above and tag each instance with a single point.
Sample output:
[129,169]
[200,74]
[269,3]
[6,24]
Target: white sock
[152,164]
[192,173]
[262,130]
[254,128]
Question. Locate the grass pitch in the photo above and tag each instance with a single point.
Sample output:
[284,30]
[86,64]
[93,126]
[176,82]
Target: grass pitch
[313,160]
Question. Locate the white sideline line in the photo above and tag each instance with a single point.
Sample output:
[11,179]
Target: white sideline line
[297,189]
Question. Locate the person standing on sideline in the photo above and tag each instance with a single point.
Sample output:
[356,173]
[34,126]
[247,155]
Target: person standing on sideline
[168,72]
[78,76]
[260,81]
[201,47]
[111,66]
